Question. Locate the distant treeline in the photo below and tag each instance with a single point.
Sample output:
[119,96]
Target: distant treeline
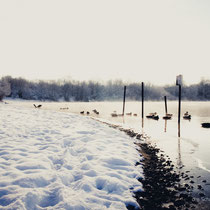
[95,91]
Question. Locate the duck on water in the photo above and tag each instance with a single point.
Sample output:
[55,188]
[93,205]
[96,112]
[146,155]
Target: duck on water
[167,116]
[153,116]
[187,116]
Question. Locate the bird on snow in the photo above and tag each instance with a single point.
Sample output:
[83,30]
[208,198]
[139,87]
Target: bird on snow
[39,106]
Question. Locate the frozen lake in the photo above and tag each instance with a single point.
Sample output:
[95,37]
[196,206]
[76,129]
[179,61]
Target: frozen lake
[189,152]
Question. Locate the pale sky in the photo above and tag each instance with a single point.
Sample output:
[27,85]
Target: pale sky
[133,40]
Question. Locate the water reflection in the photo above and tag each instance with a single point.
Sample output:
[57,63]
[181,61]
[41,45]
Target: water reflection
[142,123]
[179,160]
[165,127]
[142,126]
[178,129]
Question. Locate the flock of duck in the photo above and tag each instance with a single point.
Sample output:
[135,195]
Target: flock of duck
[94,111]
[155,116]
[66,108]
[152,115]
[114,114]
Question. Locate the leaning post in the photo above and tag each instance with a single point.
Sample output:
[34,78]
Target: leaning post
[142,105]
[124,100]
[166,110]
[142,100]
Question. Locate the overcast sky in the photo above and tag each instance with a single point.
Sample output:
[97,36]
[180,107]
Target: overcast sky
[144,40]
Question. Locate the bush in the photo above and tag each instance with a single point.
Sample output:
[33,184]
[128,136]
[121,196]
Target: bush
[5,88]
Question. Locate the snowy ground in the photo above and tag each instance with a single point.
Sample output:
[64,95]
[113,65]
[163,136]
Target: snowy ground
[57,160]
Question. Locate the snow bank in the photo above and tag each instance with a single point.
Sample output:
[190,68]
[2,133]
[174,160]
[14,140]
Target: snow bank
[56,160]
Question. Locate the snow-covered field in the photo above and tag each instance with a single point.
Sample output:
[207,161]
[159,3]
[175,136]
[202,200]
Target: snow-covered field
[56,160]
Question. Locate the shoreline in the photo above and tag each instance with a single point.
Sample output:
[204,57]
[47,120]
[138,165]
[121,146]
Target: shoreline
[171,174]
[165,188]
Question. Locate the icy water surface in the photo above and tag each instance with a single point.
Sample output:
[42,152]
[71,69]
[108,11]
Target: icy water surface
[190,152]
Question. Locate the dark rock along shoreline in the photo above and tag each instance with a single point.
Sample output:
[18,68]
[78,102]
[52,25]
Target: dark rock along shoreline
[162,187]
[162,184]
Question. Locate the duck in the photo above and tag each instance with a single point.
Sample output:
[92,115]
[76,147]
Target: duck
[156,117]
[95,111]
[114,114]
[187,115]
[39,106]
[153,115]
[205,125]
[64,108]
[167,116]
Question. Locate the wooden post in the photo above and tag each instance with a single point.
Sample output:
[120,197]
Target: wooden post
[179,110]
[166,110]
[142,100]
[179,81]
[124,100]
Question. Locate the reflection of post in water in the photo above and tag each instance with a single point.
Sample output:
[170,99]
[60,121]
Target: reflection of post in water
[142,122]
[165,128]
[142,127]
[179,111]
[123,119]
[142,104]
[179,160]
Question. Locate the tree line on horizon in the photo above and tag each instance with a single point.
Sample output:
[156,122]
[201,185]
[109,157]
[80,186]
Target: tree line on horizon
[61,90]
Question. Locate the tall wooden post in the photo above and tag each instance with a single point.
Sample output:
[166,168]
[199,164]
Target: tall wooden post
[166,110]
[179,81]
[179,109]
[142,100]
[124,100]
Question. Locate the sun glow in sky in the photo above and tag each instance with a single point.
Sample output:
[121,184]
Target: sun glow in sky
[151,41]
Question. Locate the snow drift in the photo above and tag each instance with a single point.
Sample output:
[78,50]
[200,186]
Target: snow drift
[56,160]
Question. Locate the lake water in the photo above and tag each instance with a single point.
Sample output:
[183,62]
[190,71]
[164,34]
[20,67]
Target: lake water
[189,152]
